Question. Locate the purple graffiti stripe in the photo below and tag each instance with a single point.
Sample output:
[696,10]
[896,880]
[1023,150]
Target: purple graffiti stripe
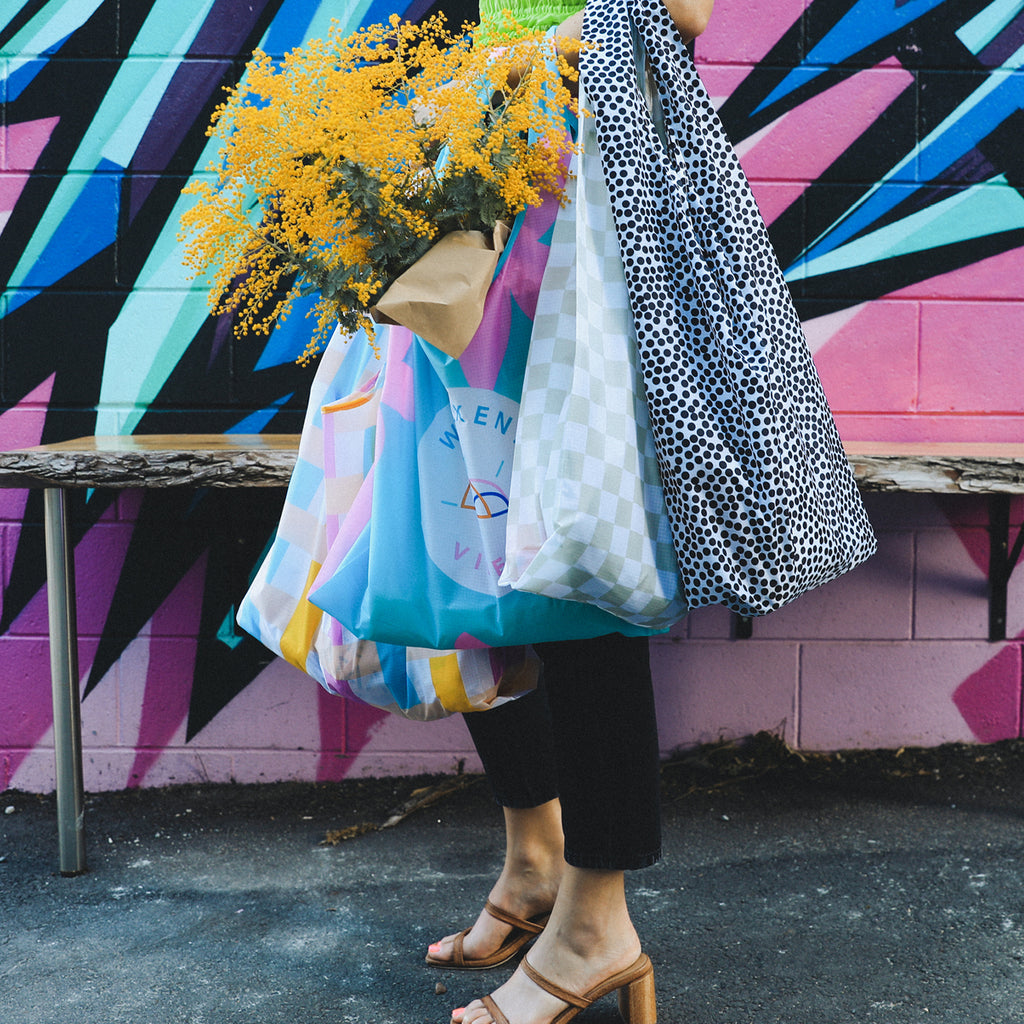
[1005,45]
[196,80]
[172,121]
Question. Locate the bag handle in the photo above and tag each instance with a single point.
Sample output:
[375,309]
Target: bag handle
[645,82]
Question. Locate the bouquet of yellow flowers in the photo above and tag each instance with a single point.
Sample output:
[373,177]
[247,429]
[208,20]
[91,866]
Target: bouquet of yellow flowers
[344,164]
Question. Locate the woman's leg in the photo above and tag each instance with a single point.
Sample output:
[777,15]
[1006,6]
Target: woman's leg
[515,746]
[517,749]
[601,700]
[605,731]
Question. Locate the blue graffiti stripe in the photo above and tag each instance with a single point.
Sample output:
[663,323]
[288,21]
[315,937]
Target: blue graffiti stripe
[865,23]
[1000,96]
[255,422]
[977,117]
[288,340]
[89,227]
[298,21]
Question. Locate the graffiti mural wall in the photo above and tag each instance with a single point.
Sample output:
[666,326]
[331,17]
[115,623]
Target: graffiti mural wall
[883,139]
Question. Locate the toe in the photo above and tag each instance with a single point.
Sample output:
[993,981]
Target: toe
[475,1013]
[443,948]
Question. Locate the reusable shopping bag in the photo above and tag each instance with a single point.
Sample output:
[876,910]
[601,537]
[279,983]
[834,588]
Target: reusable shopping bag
[761,498]
[418,560]
[416,683]
[587,519]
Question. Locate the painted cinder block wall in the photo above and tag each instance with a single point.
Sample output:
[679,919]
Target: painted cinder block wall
[882,139]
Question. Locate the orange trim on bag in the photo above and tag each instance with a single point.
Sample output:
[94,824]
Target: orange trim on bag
[360,396]
[344,404]
[297,638]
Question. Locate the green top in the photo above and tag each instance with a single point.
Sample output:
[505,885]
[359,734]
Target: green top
[531,14]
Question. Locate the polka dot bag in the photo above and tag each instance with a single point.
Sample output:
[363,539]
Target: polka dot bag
[759,491]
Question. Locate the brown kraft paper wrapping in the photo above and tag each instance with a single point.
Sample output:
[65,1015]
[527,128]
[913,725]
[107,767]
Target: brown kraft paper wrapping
[441,296]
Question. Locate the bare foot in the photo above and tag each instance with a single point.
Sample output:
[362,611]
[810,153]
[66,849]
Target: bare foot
[527,885]
[527,893]
[590,937]
[524,1002]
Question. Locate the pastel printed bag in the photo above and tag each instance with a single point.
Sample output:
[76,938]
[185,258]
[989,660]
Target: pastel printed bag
[418,560]
[341,423]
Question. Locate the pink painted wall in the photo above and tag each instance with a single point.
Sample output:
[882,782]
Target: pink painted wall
[914,314]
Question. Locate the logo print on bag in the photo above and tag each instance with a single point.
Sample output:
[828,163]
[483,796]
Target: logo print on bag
[465,462]
[487,504]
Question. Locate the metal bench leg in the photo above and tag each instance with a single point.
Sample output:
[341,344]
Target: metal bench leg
[67,708]
[1001,562]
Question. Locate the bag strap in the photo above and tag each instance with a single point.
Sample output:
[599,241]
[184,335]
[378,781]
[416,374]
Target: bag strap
[646,84]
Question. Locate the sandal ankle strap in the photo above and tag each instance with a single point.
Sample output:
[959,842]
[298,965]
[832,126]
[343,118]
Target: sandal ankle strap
[516,922]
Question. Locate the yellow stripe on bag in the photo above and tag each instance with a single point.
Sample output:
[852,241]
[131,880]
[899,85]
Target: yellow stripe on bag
[447,679]
[297,638]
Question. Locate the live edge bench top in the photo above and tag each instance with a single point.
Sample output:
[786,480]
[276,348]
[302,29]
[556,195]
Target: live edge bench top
[938,467]
[266,460]
[155,460]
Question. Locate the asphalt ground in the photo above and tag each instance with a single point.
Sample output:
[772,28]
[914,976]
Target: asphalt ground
[871,887]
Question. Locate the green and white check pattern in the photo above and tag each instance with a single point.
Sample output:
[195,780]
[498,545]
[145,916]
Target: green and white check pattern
[587,519]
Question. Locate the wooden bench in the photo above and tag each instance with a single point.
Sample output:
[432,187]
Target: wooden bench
[266,460]
[173,460]
[995,470]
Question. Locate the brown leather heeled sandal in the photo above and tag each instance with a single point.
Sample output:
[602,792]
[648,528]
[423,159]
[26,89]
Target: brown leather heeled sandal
[523,932]
[635,985]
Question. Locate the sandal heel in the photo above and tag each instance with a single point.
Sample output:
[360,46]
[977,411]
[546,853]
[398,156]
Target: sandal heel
[637,1003]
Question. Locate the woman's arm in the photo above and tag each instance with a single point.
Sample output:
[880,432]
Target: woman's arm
[690,17]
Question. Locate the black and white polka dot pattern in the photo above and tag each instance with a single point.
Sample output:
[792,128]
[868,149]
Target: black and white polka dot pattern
[761,497]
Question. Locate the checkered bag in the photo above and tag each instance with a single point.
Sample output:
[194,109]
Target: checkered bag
[587,519]
[414,682]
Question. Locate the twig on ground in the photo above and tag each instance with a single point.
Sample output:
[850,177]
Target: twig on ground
[417,800]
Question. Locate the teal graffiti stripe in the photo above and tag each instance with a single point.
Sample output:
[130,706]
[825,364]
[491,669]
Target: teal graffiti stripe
[255,422]
[226,633]
[6,17]
[47,29]
[976,212]
[996,99]
[977,33]
[169,28]
[161,317]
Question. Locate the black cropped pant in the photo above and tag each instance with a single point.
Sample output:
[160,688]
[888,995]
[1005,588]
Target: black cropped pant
[587,735]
